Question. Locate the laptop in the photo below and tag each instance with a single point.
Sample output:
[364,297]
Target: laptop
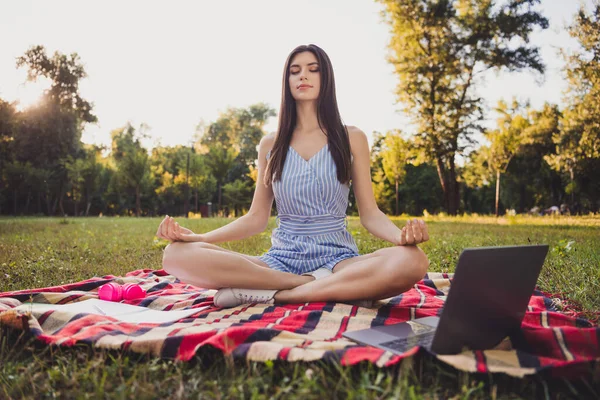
[487,302]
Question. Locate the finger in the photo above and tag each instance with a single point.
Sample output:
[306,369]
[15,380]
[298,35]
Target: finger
[165,230]
[177,231]
[173,229]
[417,233]
[402,236]
[425,231]
[174,232]
[159,231]
[163,225]
[170,228]
[410,238]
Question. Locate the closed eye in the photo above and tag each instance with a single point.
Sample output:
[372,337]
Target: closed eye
[295,72]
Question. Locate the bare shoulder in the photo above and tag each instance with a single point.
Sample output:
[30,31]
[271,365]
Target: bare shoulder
[266,143]
[358,139]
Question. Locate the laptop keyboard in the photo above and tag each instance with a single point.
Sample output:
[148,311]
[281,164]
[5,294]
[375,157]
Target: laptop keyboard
[404,344]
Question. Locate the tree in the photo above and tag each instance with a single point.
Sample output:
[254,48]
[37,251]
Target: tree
[241,130]
[578,139]
[200,181]
[237,194]
[439,49]
[131,160]
[75,168]
[505,141]
[8,120]
[382,189]
[420,190]
[65,72]
[249,130]
[529,181]
[52,129]
[395,156]
[7,128]
[85,175]
[219,160]
[476,177]
[171,159]
[16,177]
[165,189]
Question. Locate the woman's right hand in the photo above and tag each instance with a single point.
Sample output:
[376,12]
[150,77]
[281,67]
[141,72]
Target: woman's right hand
[171,230]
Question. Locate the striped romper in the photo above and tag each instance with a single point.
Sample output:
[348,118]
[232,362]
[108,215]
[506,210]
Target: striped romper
[311,222]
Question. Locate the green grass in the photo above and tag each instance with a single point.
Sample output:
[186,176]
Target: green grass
[39,252]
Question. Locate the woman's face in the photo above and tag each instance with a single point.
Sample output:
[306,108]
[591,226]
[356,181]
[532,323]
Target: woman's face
[305,71]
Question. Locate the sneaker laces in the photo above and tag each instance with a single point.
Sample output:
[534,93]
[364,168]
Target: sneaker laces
[250,297]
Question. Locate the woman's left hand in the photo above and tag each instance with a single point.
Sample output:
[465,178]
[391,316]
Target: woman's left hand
[414,232]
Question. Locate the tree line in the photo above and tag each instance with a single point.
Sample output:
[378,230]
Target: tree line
[439,49]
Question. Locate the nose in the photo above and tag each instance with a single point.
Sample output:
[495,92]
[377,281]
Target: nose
[302,74]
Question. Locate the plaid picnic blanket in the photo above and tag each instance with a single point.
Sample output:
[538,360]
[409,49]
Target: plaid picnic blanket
[554,337]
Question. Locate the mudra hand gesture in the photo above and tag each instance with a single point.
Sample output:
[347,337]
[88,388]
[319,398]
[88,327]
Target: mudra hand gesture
[170,230]
[414,232]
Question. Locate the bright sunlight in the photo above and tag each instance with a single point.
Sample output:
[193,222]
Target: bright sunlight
[29,94]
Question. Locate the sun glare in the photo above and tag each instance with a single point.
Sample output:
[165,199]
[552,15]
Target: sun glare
[28,94]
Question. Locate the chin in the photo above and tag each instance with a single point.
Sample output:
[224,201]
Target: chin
[305,98]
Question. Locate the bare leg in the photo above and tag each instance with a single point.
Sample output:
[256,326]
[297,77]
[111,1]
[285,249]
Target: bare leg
[212,267]
[254,259]
[384,273]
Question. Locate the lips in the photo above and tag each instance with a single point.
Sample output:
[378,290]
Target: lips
[303,85]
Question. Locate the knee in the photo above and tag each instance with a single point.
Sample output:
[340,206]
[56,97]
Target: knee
[420,264]
[409,265]
[174,255]
[170,254]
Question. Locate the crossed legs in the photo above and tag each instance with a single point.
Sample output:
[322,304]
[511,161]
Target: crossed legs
[212,267]
[384,273]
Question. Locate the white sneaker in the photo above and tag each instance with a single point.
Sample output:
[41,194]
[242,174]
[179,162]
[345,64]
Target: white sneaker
[230,297]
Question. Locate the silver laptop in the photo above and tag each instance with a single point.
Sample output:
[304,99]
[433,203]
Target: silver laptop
[486,303]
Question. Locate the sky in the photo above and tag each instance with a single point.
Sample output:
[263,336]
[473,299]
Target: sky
[173,64]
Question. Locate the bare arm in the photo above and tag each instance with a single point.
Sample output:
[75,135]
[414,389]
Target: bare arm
[238,229]
[371,217]
[255,221]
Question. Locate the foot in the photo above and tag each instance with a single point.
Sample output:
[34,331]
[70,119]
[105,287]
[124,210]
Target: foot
[230,297]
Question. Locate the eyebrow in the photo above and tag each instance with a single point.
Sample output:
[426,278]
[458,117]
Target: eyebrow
[296,65]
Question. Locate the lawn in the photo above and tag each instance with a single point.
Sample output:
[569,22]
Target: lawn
[40,252]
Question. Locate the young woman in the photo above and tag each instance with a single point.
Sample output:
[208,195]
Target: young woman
[306,167]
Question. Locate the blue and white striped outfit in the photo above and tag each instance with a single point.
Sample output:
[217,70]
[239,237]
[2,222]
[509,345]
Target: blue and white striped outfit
[311,207]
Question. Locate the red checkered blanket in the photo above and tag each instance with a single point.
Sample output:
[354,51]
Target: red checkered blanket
[553,336]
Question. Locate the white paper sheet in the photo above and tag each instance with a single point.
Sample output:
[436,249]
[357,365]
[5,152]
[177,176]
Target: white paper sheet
[122,312]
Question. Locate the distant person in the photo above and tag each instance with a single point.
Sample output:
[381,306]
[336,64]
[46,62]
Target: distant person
[535,211]
[552,210]
[305,167]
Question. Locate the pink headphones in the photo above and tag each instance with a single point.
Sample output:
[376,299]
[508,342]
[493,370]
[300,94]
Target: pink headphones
[114,292]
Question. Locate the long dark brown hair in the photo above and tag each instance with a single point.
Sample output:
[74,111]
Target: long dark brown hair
[328,117]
